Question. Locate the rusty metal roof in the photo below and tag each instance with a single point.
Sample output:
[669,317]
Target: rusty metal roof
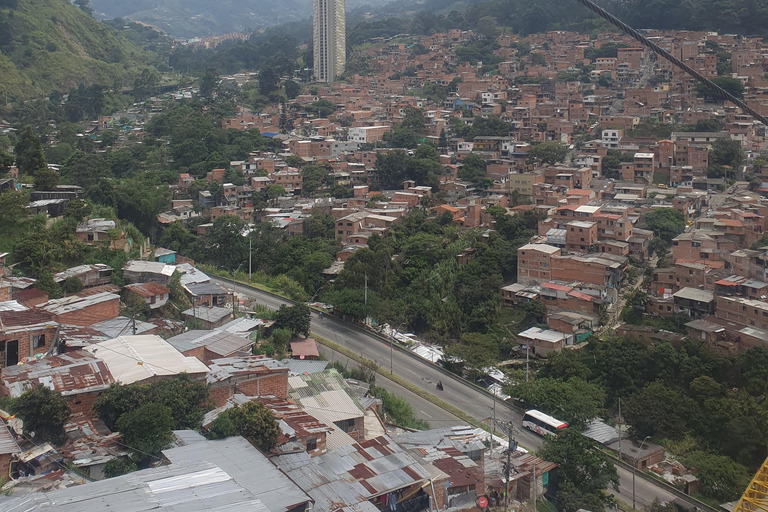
[69,374]
[353,474]
[148,289]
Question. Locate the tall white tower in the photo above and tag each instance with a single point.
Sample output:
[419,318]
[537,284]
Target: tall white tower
[330,40]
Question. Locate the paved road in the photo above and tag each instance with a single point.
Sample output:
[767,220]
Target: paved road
[423,409]
[457,392]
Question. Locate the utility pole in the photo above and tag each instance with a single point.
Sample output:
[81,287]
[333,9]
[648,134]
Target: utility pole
[250,256]
[133,321]
[366,289]
[527,349]
[508,429]
[620,429]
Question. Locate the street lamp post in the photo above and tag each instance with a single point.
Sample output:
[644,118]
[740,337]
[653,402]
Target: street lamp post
[392,346]
[634,468]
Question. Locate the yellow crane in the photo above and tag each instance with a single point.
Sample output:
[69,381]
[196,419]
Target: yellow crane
[755,498]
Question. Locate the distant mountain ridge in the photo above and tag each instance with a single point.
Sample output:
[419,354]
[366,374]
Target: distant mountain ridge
[51,44]
[193,18]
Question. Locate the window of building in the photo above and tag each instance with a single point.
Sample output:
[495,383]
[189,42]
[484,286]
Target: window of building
[311,444]
[38,341]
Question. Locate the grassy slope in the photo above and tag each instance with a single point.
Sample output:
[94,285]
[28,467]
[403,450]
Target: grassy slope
[57,46]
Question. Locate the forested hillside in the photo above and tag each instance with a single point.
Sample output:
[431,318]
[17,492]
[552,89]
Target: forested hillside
[192,18]
[747,17]
[51,44]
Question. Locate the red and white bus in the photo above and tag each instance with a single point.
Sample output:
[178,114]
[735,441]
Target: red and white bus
[542,424]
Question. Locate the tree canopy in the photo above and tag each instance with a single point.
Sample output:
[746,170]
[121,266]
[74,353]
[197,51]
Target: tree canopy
[251,420]
[44,412]
[583,470]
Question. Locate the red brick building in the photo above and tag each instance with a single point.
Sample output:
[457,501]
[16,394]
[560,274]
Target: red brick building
[249,375]
[82,309]
[78,376]
[534,263]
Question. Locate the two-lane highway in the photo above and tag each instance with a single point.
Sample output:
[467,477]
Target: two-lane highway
[456,391]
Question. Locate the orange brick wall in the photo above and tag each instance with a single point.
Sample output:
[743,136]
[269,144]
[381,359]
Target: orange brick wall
[274,384]
[91,314]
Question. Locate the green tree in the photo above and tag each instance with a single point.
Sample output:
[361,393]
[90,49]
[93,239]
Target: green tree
[222,427]
[707,125]
[254,422]
[85,169]
[313,178]
[292,89]
[13,205]
[85,6]
[46,179]
[548,153]
[120,466]
[583,470]
[731,85]
[29,152]
[224,242]
[208,84]
[666,223]
[72,285]
[473,170]
[726,152]
[46,283]
[351,303]
[146,429]
[44,412]
[268,80]
[574,401]
[185,398]
[296,318]
[720,478]
[6,161]
[659,411]
[77,210]
[275,191]
[477,351]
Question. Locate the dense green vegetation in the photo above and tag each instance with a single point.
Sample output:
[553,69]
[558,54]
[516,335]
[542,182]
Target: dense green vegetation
[706,408]
[51,44]
[522,17]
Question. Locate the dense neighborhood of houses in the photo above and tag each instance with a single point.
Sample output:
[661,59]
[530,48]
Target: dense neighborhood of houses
[335,453]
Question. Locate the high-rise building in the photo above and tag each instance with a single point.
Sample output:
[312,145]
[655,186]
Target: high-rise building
[329,35]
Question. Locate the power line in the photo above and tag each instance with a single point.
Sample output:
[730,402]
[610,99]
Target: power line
[674,60]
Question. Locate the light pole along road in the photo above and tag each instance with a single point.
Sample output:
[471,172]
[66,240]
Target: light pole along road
[456,392]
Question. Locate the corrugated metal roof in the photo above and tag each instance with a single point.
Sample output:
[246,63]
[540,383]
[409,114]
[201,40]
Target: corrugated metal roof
[70,373]
[353,474]
[148,289]
[224,368]
[76,303]
[208,314]
[12,305]
[149,267]
[221,343]
[188,487]
[121,325]
[299,367]
[8,444]
[135,358]
[190,274]
[242,326]
[247,467]
[306,347]
[206,288]
[332,406]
